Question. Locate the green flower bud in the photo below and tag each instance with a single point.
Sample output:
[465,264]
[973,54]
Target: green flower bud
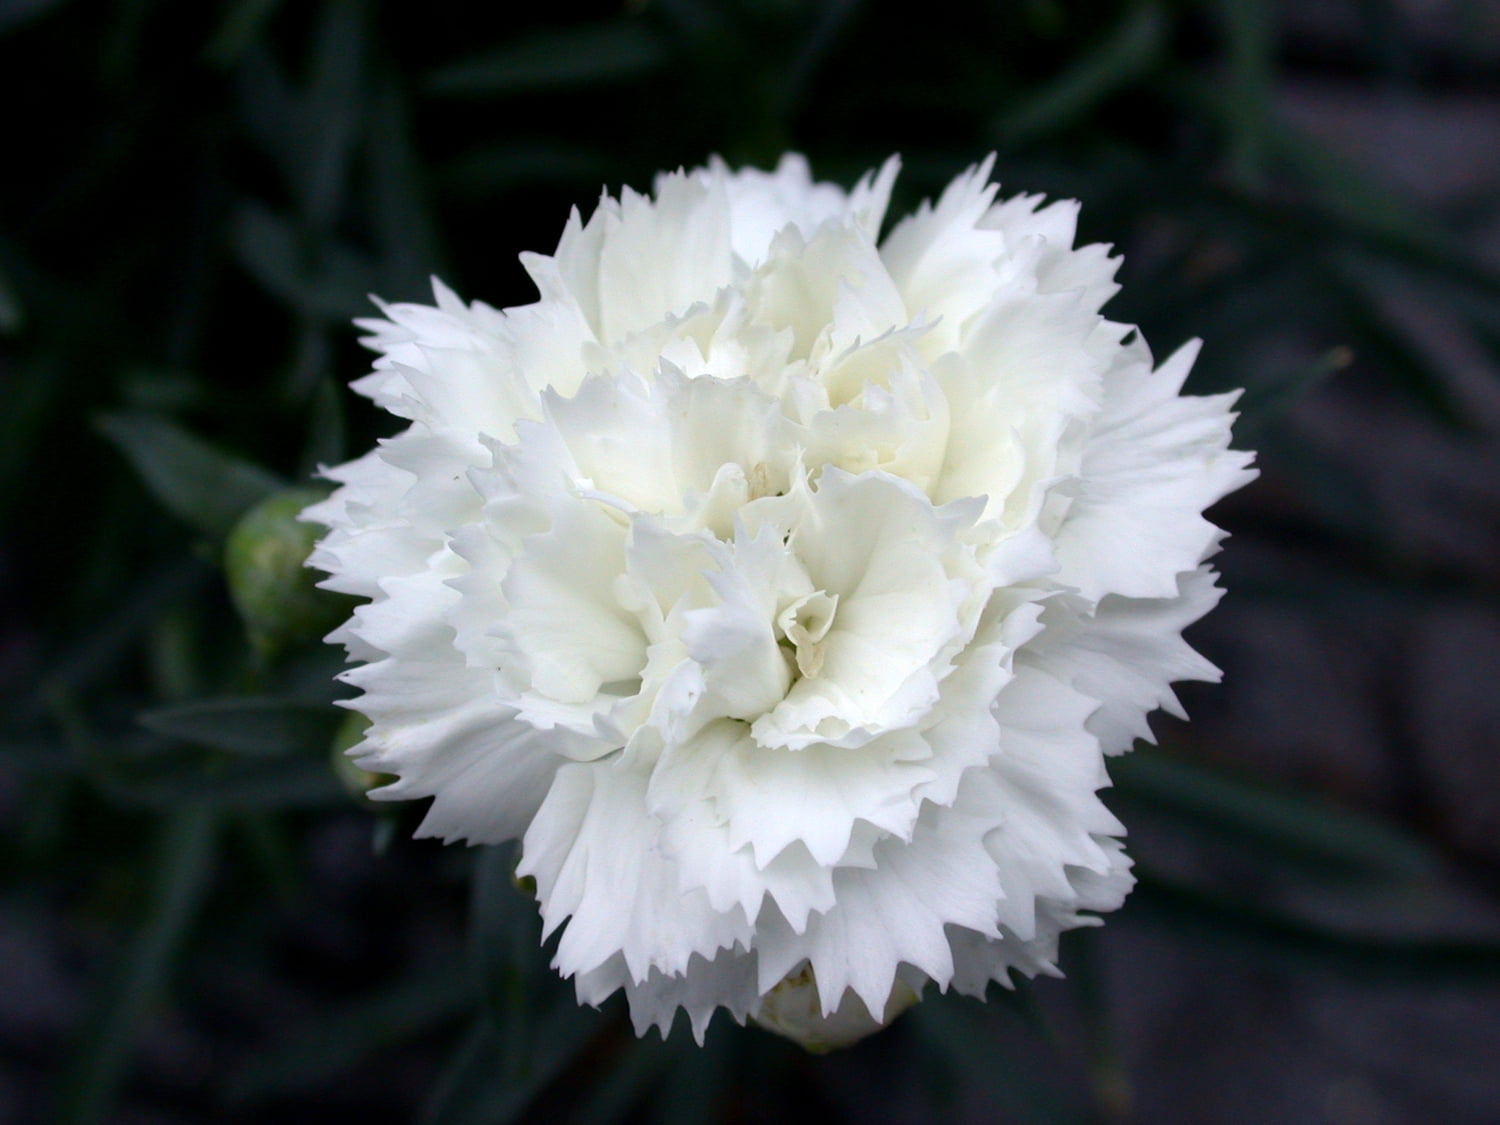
[265,564]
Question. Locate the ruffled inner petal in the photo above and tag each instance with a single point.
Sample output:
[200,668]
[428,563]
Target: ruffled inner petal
[784,590]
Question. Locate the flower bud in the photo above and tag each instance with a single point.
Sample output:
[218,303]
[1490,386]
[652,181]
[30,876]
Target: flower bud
[794,1009]
[265,565]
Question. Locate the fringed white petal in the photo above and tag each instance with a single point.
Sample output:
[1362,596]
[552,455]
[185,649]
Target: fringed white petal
[1126,654]
[783,591]
[591,849]
[1155,460]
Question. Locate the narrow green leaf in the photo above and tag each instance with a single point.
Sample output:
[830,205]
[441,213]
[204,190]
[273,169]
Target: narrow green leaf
[174,655]
[193,480]
[101,649]
[315,1055]
[1341,498]
[1046,18]
[269,109]
[575,56]
[406,228]
[47,834]
[699,1077]
[625,1083]
[1250,43]
[463,1089]
[235,785]
[955,1034]
[247,725]
[12,316]
[332,108]
[151,389]
[1106,1065]
[239,27]
[33,397]
[1131,50]
[268,842]
[383,833]
[37,754]
[705,26]
[1292,942]
[1290,822]
[1376,333]
[183,866]
[1348,190]
[531,1024]
[312,353]
[316,278]
[490,169]
[1349,208]
[483,1086]
[309,130]
[816,43]
[505,941]
[1269,398]
[326,441]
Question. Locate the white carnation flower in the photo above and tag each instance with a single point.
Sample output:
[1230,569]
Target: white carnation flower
[781,588]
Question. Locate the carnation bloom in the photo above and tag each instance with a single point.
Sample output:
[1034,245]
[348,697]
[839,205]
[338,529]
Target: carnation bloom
[782,588]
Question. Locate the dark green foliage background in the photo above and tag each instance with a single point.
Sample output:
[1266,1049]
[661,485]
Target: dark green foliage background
[198,197]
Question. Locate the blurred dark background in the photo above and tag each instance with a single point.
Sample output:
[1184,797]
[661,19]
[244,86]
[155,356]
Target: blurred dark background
[198,921]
